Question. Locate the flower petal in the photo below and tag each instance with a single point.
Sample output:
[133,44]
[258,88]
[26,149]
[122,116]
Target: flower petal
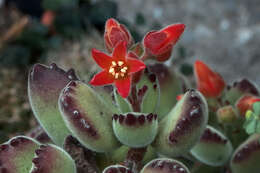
[102,59]
[154,40]
[110,23]
[120,51]
[174,32]
[116,36]
[135,65]
[210,83]
[123,86]
[102,78]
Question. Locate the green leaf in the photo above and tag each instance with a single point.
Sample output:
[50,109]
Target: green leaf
[16,155]
[256,108]
[181,129]
[246,158]
[257,127]
[44,87]
[88,117]
[52,159]
[251,126]
[122,103]
[107,95]
[135,129]
[148,90]
[239,88]
[213,149]
[170,87]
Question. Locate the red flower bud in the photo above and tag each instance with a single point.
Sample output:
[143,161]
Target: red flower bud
[159,44]
[209,83]
[245,103]
[116,33]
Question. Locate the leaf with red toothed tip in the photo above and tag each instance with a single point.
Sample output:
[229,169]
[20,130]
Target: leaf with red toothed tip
[117,169]
[52,159]
[182,128]
[239,88]
[165,166]
[135,129]
[213,148]
[44,87]
[246,158]
[122,103]
[148,91]
[16,155]
[170,88]
[40,135]
[88,117]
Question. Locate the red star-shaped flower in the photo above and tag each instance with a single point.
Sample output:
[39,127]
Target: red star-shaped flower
[159,44]
[209,83]
[117,68]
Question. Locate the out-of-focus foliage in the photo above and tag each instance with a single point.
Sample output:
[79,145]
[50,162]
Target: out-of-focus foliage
[15,113]
[71,19]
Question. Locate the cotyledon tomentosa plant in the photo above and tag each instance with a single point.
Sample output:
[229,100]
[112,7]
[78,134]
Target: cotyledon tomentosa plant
[137,124]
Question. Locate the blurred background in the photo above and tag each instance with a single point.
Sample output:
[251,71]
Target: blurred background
[225,34]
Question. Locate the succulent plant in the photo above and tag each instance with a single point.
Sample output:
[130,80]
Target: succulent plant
[145,120]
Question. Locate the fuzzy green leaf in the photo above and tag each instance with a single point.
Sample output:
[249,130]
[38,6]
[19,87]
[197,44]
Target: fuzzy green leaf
[213,148]
[122,103]
[246,158]
[135,129]
[16,155]
[256,108]
[44,87]
[148,90]
[180,130]
[52,159]
[88,117]
[170,87]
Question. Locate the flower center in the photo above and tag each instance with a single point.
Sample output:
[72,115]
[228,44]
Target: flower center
[118,69]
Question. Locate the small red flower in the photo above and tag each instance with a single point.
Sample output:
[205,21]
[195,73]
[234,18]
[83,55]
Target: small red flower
[179,97]
[159,44]
[209,83]
[118,68]
[246,103]
[47,18]
[115,33]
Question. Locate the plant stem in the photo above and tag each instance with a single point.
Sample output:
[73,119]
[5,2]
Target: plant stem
[134,158]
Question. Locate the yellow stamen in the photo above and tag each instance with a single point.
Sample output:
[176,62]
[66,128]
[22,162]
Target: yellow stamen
[113,63]
[120,63]
[111,70]
[123,70]
[249,113]
[117,75]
